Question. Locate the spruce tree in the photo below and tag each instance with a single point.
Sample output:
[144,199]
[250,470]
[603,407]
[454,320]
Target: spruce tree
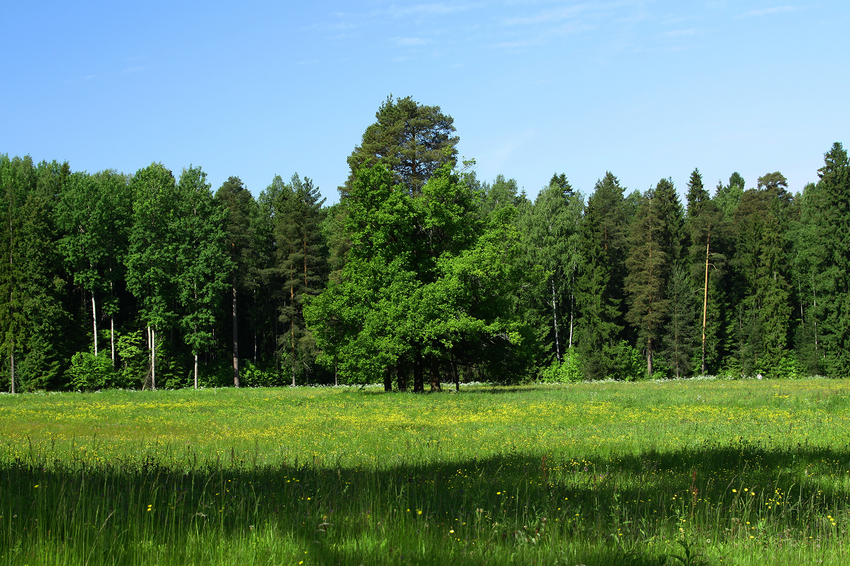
[761,263]
[831,218]
[302,265]
[240,209]
[703,226]
[648,263]
[600,280]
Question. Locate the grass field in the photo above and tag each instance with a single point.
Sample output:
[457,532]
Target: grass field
[683,472]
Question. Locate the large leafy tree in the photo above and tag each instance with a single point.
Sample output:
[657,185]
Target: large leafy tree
[551,227]
[151,260]
[421,289]
[410,139]
[203,271]
[94,213]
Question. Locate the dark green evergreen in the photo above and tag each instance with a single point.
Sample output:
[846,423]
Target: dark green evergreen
[704,227]
[600,281]
[240,209]
[410,139]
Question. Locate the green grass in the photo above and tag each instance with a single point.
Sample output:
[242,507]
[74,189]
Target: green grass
[698,472]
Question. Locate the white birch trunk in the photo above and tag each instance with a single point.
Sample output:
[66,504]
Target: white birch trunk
[94,320]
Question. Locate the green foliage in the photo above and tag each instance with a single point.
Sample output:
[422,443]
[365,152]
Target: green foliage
[255,376]
[600,280]
[550,233]
[132,352]
[649,261]
[626,362]
[423,285]
[411,140]
[828,254]
[90,373]
[301,265]
[203,270]
[762,263]
[568,370]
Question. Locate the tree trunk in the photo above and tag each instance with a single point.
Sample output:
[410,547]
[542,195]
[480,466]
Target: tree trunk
[235,340]
[111,323]
[94,320]
[555,321]
[152,344]
[418,380]
[292,330]
[388,378]
[649,357]
[401,376]
[153,358]
[572,309]
[435,374]
[12,364]
[196,371]
[705,303]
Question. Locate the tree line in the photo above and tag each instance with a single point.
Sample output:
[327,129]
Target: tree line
[422,273]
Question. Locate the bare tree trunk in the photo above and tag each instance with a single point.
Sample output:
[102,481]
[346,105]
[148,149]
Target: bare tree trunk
[572,309]
[235,341]
[112,338]
[555,321]
[292,330]
[94,320]
[705,304]
[649,357]
[152,346]
[12,327]
[153,358]
[196,371]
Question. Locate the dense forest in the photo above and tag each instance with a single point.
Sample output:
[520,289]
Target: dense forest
[421,273]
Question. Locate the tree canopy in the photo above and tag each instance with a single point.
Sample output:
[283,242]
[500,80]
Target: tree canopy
[410,139]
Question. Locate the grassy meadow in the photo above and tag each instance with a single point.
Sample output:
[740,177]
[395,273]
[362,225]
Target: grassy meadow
[682,472]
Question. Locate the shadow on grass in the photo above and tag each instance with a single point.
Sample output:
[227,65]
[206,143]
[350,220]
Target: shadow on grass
[510,508]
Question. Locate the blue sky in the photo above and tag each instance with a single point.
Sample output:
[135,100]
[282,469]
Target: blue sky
[645,89]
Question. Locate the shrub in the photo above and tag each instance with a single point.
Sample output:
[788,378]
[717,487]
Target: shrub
[566,371]
[89,372]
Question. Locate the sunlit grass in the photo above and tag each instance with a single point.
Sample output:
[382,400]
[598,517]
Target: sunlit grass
[724,472]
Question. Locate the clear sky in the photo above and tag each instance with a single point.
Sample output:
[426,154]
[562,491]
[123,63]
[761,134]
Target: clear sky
[645,89]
